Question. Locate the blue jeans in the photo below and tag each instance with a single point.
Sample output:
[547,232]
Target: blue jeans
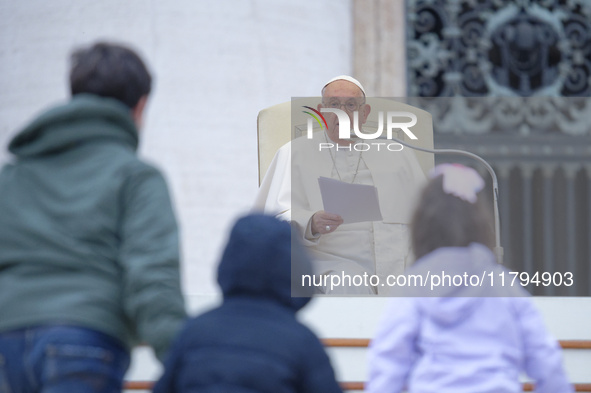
[60,358]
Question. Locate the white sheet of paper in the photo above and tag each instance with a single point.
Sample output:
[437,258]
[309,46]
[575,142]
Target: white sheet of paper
[353,202]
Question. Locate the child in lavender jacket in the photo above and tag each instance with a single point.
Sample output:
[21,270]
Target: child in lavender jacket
[460,337]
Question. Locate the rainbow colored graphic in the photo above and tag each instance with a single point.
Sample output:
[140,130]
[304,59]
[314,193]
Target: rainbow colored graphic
[316,117]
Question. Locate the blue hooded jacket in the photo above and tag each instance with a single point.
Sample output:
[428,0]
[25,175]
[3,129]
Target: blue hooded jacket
[252,342]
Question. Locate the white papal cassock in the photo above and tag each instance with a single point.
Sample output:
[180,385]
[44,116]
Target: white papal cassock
[290,190]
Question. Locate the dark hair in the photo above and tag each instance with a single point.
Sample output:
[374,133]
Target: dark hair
[444,220]
[109,70]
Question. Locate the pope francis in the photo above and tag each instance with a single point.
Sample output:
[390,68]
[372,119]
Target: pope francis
[362,255]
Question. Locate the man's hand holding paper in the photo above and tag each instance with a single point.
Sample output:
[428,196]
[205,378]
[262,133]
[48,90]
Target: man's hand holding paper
[323,222]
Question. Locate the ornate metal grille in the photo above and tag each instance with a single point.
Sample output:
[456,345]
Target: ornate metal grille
[499,47]
[529,62]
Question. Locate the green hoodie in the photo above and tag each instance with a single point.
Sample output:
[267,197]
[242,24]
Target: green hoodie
[88,235]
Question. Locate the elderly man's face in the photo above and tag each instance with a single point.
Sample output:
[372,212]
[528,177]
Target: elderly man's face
[344,95]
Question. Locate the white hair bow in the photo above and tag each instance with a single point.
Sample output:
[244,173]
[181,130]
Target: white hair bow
[459,180]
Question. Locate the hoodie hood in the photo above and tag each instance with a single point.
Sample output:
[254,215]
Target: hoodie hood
[85,118]
[453,301]
[257,261]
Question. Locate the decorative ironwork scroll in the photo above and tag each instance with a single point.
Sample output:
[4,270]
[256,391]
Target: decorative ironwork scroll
[499,47]
[510,80]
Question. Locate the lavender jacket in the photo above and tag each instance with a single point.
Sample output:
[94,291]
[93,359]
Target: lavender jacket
[466,339]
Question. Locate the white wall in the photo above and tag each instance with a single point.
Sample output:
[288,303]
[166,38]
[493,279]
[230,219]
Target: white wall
[216,64]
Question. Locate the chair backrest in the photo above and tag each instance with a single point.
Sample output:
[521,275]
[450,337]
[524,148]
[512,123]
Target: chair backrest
[278,124]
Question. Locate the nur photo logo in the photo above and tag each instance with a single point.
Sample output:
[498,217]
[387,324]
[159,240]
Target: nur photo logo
[394,120]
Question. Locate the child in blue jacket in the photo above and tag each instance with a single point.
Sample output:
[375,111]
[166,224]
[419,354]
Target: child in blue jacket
[252,342]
